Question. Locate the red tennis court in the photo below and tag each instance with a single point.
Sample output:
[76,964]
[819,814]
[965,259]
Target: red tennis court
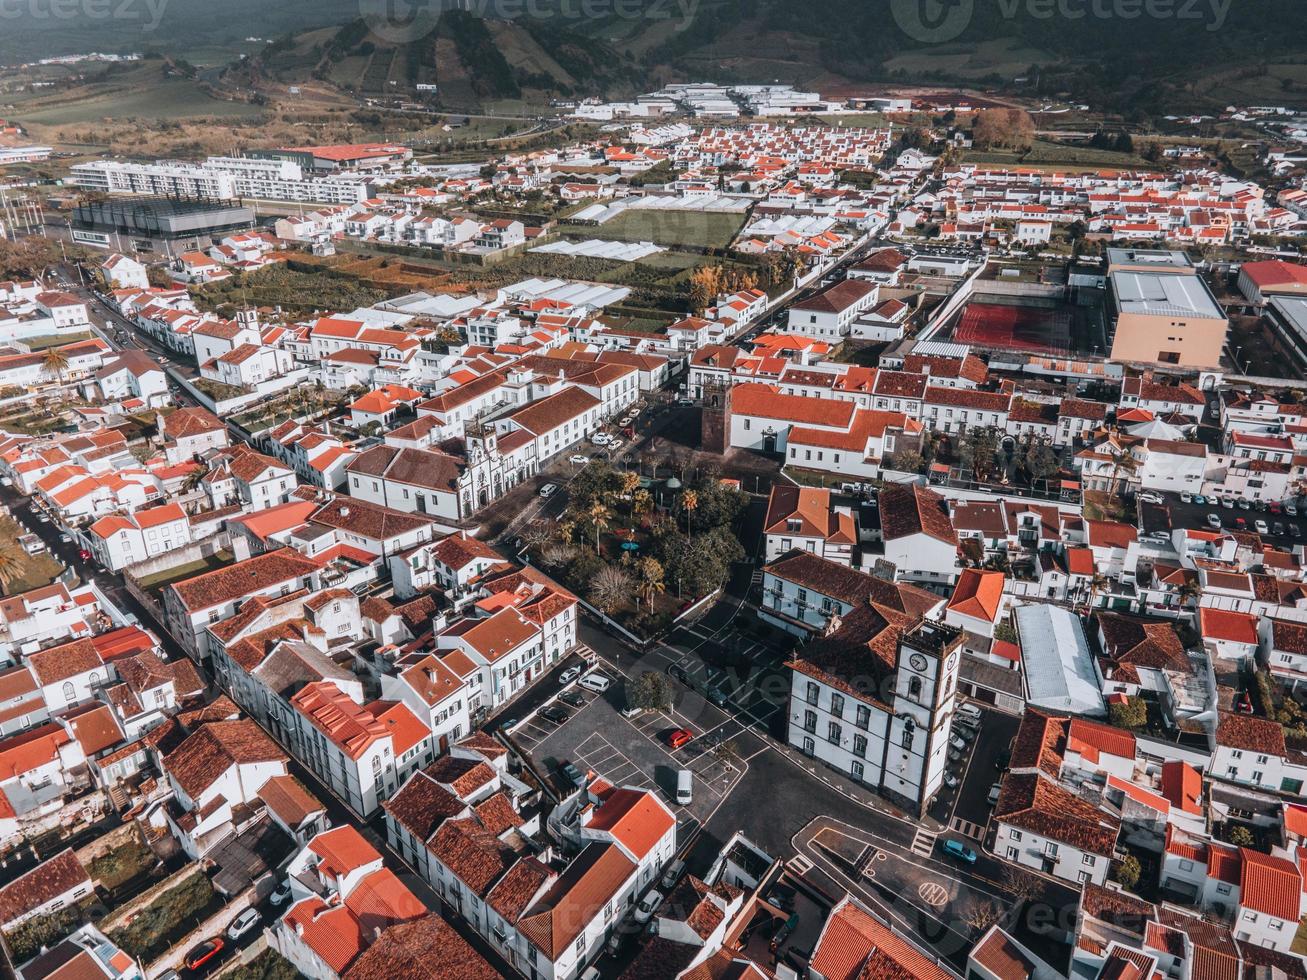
[1023,328]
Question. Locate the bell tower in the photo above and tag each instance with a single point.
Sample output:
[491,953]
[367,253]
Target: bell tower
[715,427]
[925,687]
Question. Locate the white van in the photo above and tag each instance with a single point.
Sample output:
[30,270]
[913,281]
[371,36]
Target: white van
[684,787]
[595,682]
[969,711]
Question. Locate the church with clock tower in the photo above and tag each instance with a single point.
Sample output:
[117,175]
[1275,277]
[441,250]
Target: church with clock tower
[873,687]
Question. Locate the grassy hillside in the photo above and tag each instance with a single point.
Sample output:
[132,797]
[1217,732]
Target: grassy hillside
[1255,51]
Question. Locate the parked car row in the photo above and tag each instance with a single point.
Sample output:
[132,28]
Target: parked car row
[1229,503]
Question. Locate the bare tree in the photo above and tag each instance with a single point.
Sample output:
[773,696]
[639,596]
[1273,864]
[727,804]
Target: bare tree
[1019,884]
[536,533]
[981,913]
[727,754]
[556,554]
[610,587]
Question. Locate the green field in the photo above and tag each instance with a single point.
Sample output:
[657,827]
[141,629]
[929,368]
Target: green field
[175,98]
[55,340]
[1000,56]
[1045,153]
[694,228]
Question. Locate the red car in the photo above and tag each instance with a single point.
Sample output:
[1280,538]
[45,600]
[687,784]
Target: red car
[678,737]
[202,953]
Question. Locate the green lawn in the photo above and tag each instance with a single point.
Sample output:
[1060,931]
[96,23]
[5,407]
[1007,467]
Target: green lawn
[176,98]
[155,582]
[1049,154]
[168,918]
[126,862]
[701,228]
[56,340]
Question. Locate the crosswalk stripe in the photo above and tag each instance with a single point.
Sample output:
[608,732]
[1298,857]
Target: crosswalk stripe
[923,843]
[968,829]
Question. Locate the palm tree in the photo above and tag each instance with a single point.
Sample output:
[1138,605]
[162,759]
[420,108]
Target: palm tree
[55,362]
[12,564]
[598,514]
[1097,583]
[630,481]
[1188,591]
[689,501]
[642,502]
[650,570]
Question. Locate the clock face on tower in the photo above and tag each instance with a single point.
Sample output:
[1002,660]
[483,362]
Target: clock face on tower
[917,662]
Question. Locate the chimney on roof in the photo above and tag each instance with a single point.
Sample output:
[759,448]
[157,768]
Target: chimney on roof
[344,511]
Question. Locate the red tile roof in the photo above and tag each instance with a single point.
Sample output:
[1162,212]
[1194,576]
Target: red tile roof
[1270,885]
[978,594]
[635,818]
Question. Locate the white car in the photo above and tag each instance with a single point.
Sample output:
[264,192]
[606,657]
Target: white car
[968,710]
[600,438]
[1150,498]
[648,906]
[281,894]
[1261,527]
[994,792]
[616,444]
[549,489]
[569,675]
[634,413]
[578,459]
[596,682]
[243,923]
[1214,521]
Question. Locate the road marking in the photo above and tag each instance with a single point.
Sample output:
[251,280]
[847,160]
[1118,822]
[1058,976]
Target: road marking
[923,843]
[933,894]
[968,829]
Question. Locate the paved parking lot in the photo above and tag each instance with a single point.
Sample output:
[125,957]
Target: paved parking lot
[1191,515]
[597,739]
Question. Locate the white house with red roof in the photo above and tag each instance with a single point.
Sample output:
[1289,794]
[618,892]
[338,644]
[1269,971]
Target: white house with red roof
[855,944]
[802,517]
[342,898]
[215,774]
[1258,281]
[435,693]
[353,749]
[131,374]
[978,601]
[1228,635]
[1284,643]
[829,314]
[452,564]
[123,272]
[120,540]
